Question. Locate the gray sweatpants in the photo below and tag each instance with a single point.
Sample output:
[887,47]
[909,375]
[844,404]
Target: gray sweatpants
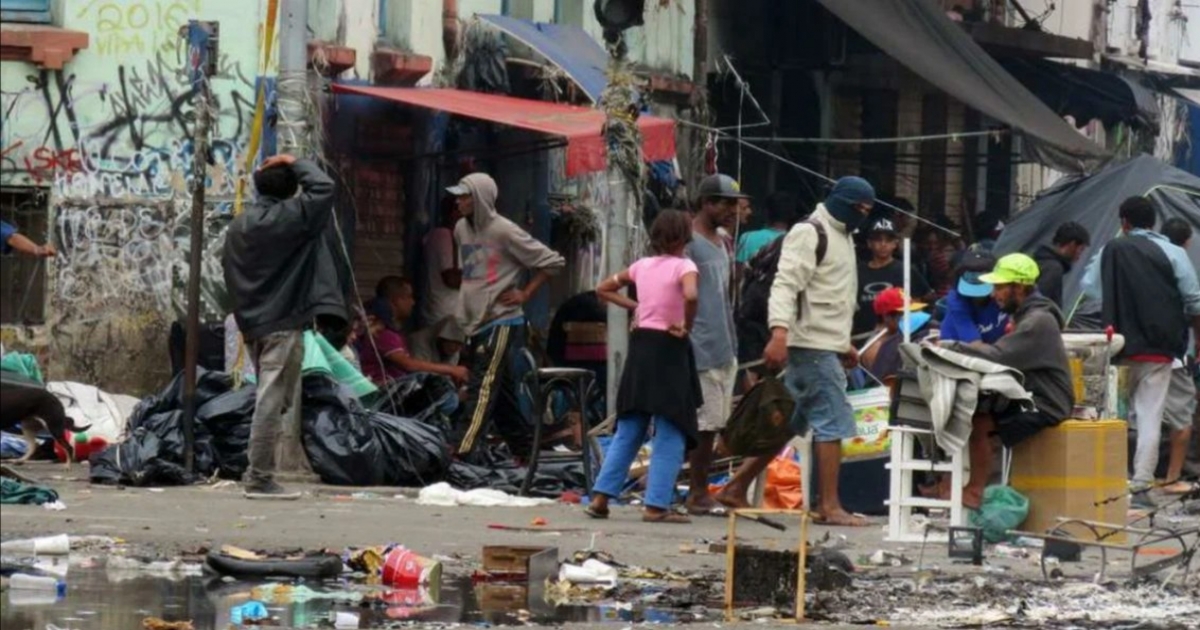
[1149,384]
[275,429]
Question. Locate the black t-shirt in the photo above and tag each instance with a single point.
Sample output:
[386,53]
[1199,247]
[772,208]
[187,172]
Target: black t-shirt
[872,282]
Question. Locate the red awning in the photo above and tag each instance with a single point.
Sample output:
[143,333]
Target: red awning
[581,127]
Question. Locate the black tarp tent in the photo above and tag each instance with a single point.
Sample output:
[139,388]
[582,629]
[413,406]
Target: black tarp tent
[918,34]
[1094,200]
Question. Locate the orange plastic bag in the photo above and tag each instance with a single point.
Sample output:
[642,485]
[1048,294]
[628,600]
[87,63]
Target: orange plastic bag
[784,490]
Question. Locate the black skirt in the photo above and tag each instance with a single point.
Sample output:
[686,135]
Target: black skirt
[660,379]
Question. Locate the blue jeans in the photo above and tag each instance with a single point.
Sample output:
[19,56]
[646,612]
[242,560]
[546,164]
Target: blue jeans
[817,381]
[668,448]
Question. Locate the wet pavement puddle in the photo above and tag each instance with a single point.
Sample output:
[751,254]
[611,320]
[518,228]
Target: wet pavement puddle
[99,598]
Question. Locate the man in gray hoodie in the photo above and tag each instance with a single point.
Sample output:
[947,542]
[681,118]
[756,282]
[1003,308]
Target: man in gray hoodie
[495,255]
[1035,348]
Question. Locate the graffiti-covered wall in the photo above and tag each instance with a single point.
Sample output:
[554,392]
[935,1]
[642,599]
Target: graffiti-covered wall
[109,138]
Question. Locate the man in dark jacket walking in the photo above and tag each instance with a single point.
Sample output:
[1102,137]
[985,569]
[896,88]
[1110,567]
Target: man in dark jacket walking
[1035,348]
[281,274]
[1055,260]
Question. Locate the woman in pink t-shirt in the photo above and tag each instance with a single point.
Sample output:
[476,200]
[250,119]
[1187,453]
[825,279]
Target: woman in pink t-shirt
[659,384]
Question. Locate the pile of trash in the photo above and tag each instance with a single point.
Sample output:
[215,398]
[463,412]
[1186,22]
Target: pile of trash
[951,601]
[347,442]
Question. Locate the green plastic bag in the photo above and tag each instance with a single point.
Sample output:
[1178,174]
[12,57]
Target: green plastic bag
[22,363]
[761,423]
[1003,509]
[321,356]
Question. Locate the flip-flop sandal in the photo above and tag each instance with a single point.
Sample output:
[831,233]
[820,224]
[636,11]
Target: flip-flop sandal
[594,513]
[715,510]
[1179,487]
[820,519]
[666,517]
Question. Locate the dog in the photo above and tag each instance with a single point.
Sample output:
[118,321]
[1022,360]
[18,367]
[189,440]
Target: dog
[37,410]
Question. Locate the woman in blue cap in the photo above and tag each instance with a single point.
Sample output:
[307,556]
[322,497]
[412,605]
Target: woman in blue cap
[971,313]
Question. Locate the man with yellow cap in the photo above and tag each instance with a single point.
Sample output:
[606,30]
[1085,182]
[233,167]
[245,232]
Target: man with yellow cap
[1035,348]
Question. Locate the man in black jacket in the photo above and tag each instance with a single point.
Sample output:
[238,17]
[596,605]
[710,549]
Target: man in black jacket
[1055,261]
[281,274]
[1151,295]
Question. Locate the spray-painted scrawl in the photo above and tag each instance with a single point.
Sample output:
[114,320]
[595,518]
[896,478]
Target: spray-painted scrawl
[109,138]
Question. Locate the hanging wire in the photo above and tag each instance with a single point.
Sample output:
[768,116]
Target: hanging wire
[926,138]
[809,171]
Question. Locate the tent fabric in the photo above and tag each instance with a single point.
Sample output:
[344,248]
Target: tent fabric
[566,46]
[918,34]
[1190,95]
[1085,94]
[1094,200]
[1187,153]
[582,128]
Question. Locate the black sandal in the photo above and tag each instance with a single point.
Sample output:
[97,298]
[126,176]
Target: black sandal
[666,517]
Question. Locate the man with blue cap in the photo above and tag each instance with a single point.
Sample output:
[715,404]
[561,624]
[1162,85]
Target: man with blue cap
[811,313]
[971,313]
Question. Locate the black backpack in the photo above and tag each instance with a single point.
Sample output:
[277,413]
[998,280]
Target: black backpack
[760,274]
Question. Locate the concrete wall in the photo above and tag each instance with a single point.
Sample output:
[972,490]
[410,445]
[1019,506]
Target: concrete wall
[108,137]
[108,140]
[664,43]
[1173,29]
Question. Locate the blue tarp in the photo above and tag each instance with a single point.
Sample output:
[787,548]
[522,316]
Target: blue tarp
[568,47]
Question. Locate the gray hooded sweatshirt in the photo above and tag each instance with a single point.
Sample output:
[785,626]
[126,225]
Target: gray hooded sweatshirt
[1035,348]
[495,254]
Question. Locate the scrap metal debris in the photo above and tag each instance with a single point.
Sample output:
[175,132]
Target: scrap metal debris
[954,601]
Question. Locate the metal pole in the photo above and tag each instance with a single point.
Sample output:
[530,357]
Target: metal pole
[907,289]
[198,35]
[617,258]
[291,462]
[293,77]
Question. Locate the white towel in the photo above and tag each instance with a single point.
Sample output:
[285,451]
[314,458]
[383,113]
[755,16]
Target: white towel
[951,383]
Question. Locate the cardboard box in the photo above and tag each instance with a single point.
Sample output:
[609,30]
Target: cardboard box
[1066,470]
[517,559]
[586,332]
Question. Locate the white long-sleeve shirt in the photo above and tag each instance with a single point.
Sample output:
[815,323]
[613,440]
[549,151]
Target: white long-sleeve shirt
[824,317]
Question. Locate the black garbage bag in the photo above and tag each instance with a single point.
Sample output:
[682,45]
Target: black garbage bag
[423,396]
[153,454]
[141,460]
[551,480]
[209,385]
[226,420]
[350,446]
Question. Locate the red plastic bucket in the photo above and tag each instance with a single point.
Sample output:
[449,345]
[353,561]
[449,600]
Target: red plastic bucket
[404,569]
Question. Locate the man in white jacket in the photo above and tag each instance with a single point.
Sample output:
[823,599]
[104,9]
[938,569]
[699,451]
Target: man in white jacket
[811,314]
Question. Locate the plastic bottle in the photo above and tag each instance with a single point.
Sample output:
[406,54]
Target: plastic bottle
[47,546]
[26,582]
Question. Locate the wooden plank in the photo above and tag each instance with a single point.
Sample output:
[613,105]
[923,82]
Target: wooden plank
[999,38]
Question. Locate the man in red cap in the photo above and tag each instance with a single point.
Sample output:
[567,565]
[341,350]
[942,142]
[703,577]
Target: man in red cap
[881,356]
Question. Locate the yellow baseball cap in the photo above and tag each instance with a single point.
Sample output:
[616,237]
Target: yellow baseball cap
[1013,269]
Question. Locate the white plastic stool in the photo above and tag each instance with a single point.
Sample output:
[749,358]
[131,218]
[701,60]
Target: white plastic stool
[900,504]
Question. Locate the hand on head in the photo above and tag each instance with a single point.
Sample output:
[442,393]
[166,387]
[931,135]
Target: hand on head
[283,159]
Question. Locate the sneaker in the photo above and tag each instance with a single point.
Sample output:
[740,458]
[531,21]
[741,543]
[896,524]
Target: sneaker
[269,491]
[1140,500]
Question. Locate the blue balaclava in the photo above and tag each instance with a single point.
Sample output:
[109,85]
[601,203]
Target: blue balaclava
[847,193]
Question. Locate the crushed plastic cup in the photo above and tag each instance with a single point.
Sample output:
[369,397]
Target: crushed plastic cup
[403,568]
[250,611]
[59,545]
[590,572]
[57,566]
